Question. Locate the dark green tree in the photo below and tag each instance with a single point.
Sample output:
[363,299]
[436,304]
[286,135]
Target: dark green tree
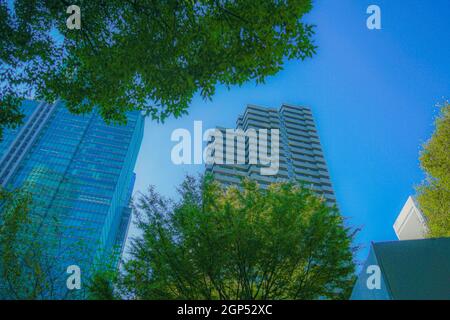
[101,284]
[238,243]
[26,270]
[34,253]
[434,194]
[147,55]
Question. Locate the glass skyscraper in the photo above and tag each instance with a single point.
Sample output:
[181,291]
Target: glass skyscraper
[300,153]
[80,172]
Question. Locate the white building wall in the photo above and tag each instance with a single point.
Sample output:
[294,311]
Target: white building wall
[411,223]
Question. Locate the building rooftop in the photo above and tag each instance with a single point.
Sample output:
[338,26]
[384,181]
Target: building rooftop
[415,269]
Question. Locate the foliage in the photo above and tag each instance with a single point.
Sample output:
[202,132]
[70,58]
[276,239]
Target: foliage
[434,194]
[25,268]
[146,55]
[104,275]
[34,254]
[101,285]
[238,243]
[14,214]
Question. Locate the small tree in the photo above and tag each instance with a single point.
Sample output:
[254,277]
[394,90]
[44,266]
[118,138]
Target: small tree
[434,194]
[34,251]
[238,243]
[101,284]
[26,268]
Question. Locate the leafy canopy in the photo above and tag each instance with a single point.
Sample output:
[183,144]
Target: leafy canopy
[434,193]
[238,243]
[147,55]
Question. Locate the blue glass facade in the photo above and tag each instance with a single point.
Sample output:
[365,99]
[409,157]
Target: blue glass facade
[28,107]
[78,168]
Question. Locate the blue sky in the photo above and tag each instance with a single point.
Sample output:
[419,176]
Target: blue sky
[372,94]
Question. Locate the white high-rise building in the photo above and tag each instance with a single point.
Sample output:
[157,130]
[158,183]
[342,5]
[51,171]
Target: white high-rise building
[411,223]
[299,153]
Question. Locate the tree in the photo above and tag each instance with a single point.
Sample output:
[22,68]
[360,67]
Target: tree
[434,194]
[146,55]
[25,47]
[35,246]
[101,284]
[26,271]
[14,208]
[238,243]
